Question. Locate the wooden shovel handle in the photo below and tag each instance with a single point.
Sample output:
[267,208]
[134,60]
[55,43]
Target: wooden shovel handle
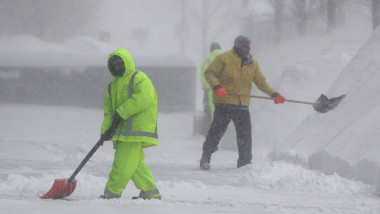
[270,98]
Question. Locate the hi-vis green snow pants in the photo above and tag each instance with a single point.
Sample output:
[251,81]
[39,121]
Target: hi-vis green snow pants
[128,164]
[208,105]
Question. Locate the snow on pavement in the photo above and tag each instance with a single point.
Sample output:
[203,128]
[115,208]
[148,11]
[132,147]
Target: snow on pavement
[43,143]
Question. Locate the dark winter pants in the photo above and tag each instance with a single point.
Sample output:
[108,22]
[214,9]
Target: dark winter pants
[241,118]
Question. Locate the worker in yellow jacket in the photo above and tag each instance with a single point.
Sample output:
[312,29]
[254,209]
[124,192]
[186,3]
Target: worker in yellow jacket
[230,77]
[130,112]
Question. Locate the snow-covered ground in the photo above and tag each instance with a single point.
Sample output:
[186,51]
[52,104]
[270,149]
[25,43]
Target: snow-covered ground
[40,144]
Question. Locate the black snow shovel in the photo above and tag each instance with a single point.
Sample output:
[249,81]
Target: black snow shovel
[322,105]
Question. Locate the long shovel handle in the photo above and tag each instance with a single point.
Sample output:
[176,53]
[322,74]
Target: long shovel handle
[270,98]
[93,150]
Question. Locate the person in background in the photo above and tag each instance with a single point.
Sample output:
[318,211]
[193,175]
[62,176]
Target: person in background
[208,106]
[230,77]
[130,121]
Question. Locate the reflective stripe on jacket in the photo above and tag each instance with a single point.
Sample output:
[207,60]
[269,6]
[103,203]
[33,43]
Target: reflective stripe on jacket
[133,96]
[226,70]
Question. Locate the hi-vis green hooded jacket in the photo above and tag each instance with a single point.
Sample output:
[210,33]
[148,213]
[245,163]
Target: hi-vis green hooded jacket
[133,96]
[206,62]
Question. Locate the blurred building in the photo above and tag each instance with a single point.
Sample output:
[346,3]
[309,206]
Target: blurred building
[54,74]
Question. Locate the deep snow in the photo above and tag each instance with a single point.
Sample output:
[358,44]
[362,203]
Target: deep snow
[353,130]
[40,144]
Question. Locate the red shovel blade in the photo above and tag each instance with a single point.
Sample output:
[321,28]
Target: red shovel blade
[60,189]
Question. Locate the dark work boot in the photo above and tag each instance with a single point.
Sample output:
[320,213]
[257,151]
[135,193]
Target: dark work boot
[204,165]
[205,162]
[151,194]
[243,163]
[109,195]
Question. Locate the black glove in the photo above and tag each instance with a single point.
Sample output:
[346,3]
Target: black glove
[115,122]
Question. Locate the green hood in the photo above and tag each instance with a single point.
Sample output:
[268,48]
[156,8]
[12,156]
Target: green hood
[127,58]
[215,53]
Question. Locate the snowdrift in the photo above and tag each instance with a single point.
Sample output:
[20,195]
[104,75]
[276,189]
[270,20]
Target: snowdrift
[44,143]
[351,132]
[303,80]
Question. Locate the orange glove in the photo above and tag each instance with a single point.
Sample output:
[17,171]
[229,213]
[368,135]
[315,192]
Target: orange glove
[278,98]
[221,92]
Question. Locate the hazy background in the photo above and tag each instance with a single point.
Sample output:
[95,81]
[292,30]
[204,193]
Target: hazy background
[85,32]
[168,27]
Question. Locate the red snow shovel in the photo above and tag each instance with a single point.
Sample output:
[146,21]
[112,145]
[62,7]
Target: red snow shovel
[64,187]
[322,105]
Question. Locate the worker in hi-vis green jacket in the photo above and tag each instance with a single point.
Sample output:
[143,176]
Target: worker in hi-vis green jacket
[130,121]
[208,105]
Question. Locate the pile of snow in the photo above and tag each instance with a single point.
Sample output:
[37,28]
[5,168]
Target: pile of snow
[304,80]
[351,131]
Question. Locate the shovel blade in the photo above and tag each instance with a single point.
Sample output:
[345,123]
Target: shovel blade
[60,189]
[323,104]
